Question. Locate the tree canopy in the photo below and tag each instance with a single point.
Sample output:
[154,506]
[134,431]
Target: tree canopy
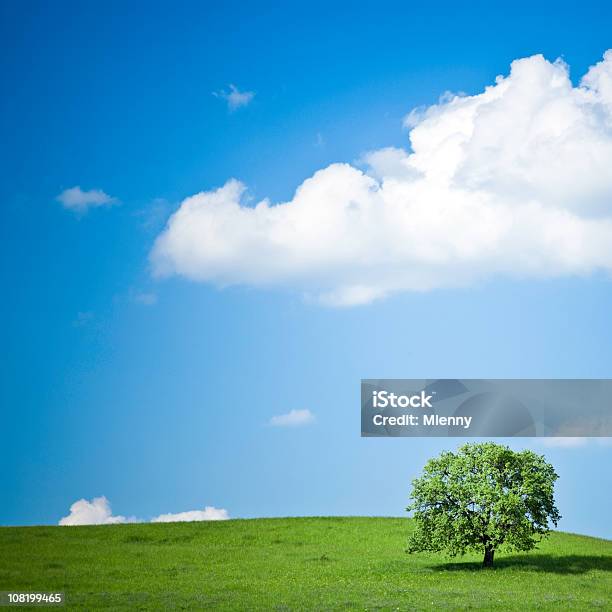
[480,498]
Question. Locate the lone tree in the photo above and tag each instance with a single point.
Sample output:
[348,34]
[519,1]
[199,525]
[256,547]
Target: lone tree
[481,497]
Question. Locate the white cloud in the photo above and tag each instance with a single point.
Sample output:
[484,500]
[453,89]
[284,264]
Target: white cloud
[146,298]
[235,98]
[294,418]
[514,181]
[98,512]
[569,442]
[208,514]
[80,201]
[94,512]
[574,442]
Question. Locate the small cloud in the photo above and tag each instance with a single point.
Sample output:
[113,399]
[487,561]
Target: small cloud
[320,141]
[98,512]
[575,442]
[80,201]
[209,513]
[94,512]
[83,318]
[294,418]
[569,442]
[234,97]
[143,297]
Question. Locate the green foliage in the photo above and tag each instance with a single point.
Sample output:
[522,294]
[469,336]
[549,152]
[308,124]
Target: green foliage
[480,498]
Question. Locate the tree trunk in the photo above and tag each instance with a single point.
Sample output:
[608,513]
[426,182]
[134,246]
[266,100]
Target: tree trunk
[488,558]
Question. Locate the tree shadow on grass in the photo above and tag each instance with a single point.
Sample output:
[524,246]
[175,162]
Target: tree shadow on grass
[566,564]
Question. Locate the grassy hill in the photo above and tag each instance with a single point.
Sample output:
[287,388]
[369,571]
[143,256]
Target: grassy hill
[293,564]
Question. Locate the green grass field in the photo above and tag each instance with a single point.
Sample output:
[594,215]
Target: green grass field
[293,564]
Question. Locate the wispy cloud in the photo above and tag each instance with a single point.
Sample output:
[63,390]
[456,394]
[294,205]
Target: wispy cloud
[153,217]
[574,442]
[492,185]
[569,442]
[235,98]
[294,418]
[146,298]
[79,201]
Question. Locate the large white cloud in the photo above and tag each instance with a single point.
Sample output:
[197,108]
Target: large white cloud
[94,512]
[515,181]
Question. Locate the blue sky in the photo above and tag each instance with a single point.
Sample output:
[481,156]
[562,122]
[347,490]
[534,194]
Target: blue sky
[156,392]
